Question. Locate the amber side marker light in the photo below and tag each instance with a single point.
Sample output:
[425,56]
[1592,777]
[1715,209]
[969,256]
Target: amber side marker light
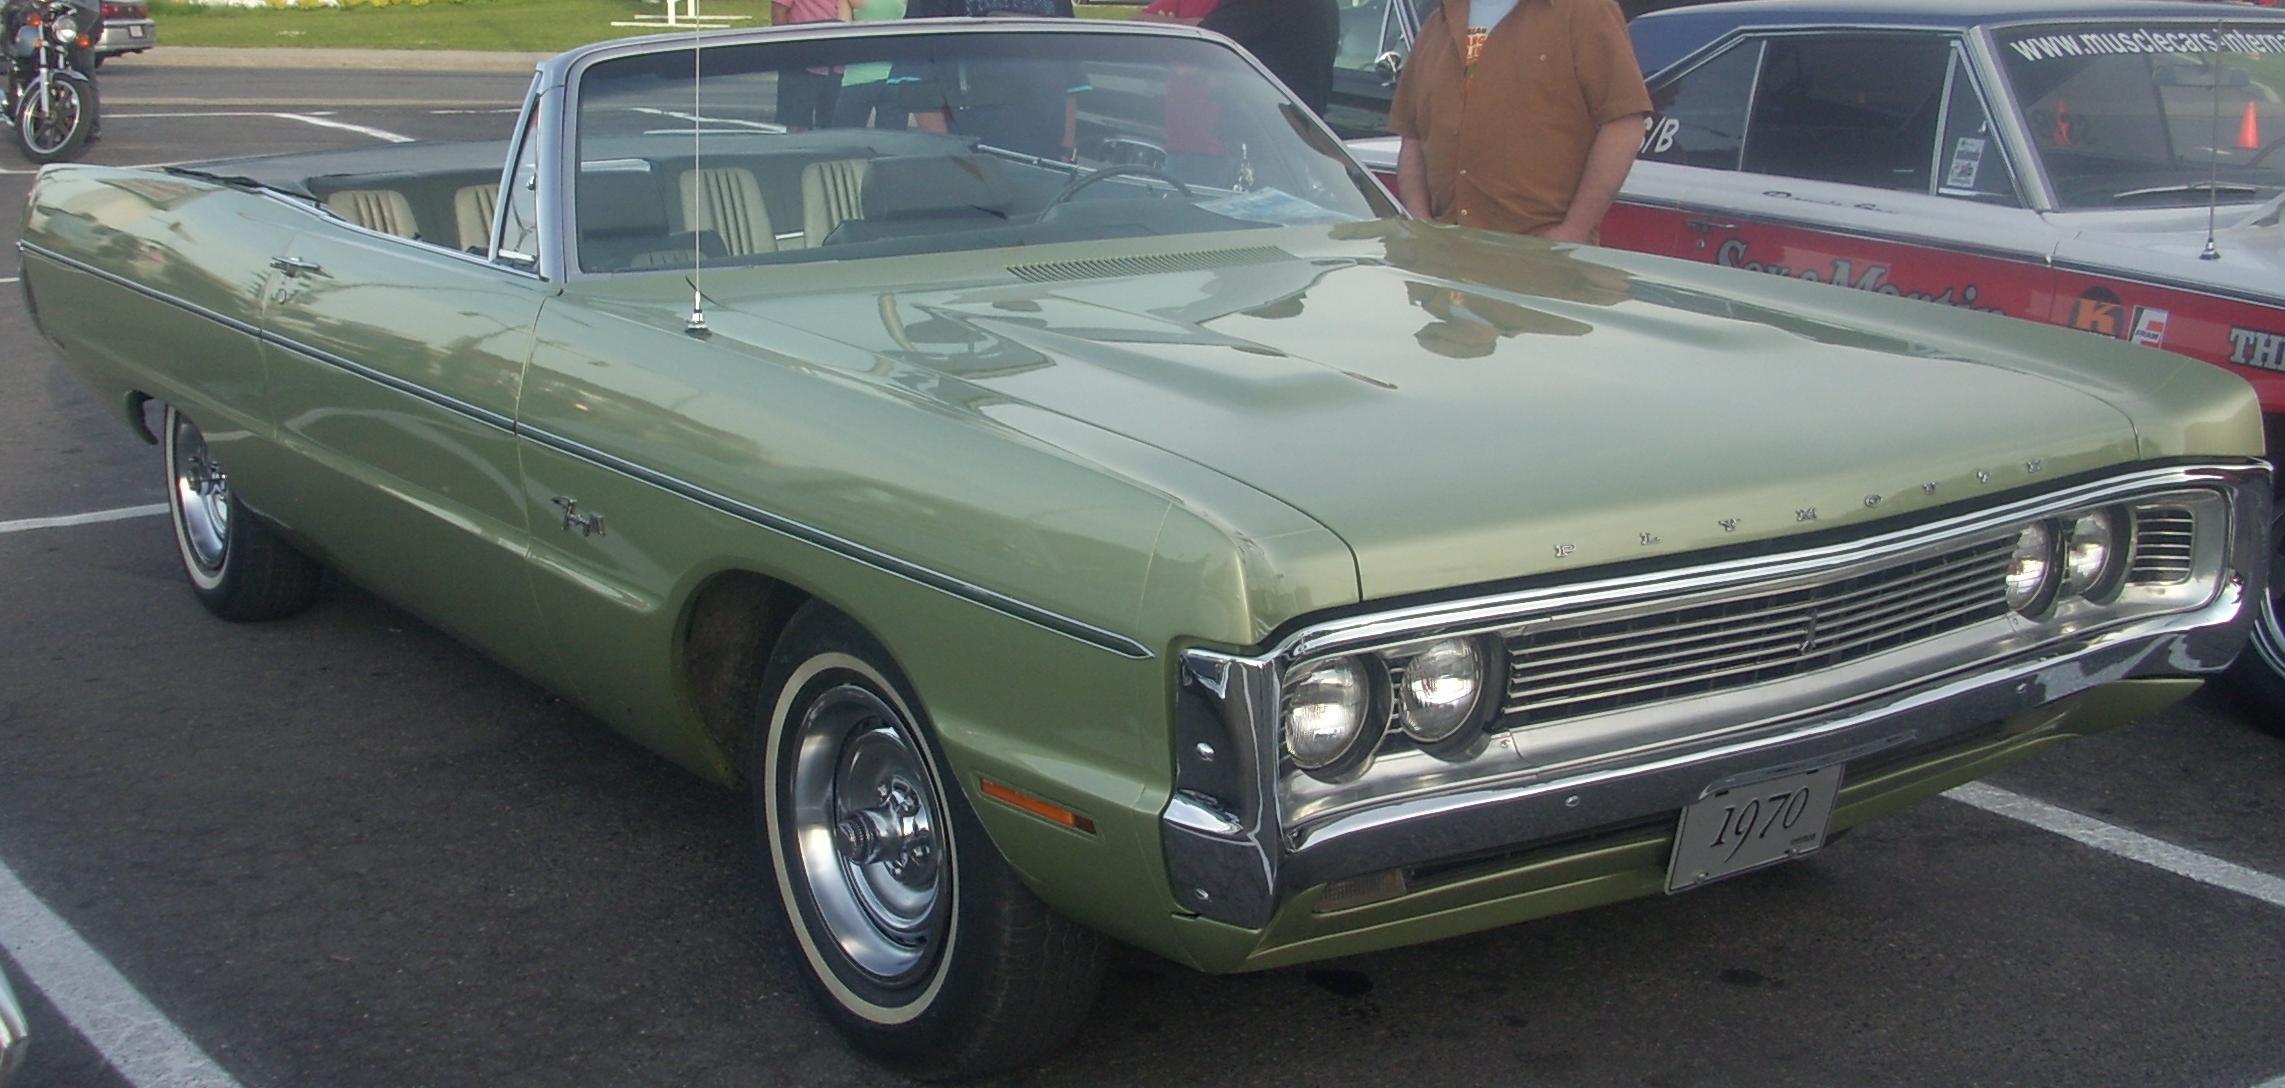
[1044,809]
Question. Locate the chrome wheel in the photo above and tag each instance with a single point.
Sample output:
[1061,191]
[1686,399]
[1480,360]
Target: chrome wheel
[2268,629]
[865,818]
[201,498]
[50,120]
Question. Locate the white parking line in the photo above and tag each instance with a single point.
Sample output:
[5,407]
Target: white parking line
[145,1047]
[363,130]
[318,118]
[10,279]
[2131,845]
[25,525]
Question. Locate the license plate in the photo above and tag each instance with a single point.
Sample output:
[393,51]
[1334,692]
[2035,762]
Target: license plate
[134,32]
[1741,828]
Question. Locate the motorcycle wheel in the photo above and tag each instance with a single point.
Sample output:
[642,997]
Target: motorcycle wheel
[58,131]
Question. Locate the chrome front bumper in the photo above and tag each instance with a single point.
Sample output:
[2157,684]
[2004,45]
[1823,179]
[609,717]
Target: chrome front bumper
[1231,859]
[127,36]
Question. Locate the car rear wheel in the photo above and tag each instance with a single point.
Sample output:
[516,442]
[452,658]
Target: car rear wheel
[237,565]
[916,939]
[2259,674]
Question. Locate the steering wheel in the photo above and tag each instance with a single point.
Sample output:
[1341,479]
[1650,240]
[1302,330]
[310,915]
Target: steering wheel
[1130,170]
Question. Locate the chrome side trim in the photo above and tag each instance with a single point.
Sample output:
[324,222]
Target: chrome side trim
[451,404]
[1035,615]
[849,549]
[78,265]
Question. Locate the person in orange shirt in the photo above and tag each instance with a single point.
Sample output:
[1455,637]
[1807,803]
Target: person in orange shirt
[1519,115]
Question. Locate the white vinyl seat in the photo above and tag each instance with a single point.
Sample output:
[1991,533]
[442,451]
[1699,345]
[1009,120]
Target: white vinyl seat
[728,201]
[830,192]
[472,207]
[384,210]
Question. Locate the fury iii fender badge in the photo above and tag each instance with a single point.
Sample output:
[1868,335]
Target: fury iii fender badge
[587,524]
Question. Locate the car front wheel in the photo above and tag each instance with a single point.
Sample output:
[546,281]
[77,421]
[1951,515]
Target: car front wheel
[237,565]
[915,937]
[2260,671]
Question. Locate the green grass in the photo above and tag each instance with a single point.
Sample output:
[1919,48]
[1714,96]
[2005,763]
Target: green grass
[516,26]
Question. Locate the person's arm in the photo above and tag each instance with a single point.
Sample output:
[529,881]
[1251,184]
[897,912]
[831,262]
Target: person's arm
[1148,16]
[1412,178]
[1607,164]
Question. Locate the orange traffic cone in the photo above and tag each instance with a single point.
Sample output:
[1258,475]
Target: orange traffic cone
[2249,128]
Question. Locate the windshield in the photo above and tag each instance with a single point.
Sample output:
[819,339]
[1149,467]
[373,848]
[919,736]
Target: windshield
[2126,116]
[893,145]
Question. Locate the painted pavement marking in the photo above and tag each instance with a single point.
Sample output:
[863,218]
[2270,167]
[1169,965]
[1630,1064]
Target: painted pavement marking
[139,1042]
[2131,845]
[25,525]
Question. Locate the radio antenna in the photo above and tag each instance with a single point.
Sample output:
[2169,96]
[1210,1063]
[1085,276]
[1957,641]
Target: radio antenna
[2214,150]
[696,326]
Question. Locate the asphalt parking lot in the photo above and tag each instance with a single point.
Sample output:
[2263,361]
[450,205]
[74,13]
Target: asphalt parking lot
[343,850]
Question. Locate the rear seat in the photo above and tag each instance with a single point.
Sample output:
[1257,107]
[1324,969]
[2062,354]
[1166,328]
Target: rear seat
[472,207]
[728,201]
[384,210]
[831,191]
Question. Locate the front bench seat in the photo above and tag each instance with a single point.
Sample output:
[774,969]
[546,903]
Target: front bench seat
[728,201]
[908,195]
[384,210]
[831,192]
[472,207]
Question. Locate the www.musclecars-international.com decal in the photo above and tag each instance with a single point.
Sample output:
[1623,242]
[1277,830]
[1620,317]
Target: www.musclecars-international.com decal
[1872,276]
[2256,347]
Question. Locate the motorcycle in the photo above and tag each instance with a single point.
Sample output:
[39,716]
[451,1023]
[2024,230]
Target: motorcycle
[50,100]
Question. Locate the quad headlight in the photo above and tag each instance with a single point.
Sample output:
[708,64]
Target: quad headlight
[1327,707]
[2094,554]
[2076,556]
[1338,710]
[2031,570]
[64,28]
[1442,686]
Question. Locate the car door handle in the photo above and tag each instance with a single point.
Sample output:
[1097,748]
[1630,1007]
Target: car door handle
[295,266]
[1704,225]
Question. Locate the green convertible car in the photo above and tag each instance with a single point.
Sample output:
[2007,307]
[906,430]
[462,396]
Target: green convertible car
[1057,480]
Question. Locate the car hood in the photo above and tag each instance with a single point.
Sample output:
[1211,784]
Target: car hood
[1460,407]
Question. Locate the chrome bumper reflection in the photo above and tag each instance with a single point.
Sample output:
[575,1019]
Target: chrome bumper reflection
[1232,859]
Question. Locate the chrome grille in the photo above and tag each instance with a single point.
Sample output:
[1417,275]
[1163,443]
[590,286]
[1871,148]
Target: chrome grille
[1596,667]
[2161,555]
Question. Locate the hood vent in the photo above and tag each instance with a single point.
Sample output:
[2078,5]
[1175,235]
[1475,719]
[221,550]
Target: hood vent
[1104,267]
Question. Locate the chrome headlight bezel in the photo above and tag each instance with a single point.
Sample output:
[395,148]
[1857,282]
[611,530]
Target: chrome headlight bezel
[1430,721]
[1367,709]
[2107,535]
[64,29]
[2034,569]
